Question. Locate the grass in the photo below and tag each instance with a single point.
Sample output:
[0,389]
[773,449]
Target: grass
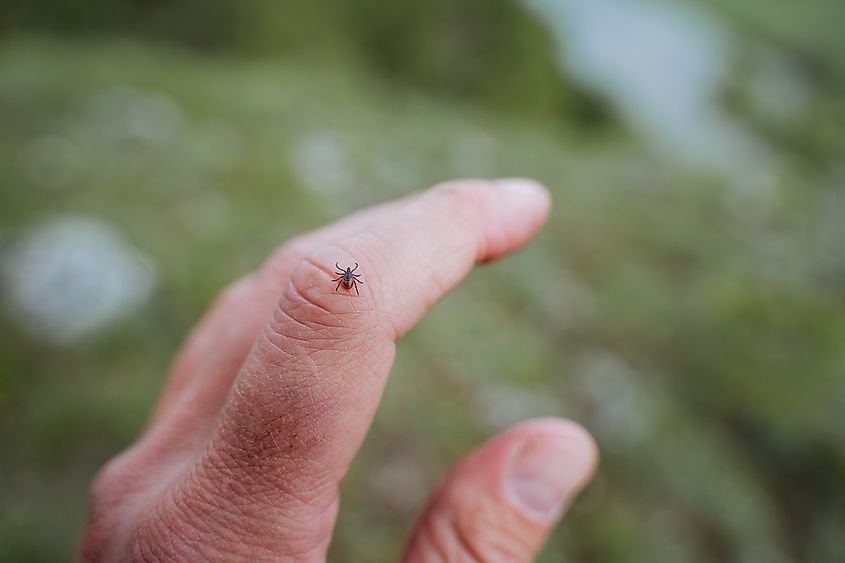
[696,328]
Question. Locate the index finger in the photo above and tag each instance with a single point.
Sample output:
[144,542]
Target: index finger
[306,396]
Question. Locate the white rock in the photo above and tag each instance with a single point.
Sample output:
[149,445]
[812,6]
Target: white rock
[661,66]
[72,277]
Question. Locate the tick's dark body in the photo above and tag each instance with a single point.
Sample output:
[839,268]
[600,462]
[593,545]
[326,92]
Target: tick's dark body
[347,278]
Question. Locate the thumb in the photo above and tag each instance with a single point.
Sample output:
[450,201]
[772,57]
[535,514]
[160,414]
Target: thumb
[501,501]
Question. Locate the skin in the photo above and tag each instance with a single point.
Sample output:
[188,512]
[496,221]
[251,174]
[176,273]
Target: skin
[273,393]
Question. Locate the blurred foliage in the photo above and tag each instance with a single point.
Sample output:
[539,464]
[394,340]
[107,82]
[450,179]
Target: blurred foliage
[490,51]
[694,325]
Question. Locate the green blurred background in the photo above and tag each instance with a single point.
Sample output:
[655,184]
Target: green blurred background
[686,302]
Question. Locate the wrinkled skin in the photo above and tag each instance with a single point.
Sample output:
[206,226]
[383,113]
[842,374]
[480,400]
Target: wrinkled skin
[273,394]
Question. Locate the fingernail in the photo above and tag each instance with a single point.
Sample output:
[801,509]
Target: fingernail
[522,188]
[546,472]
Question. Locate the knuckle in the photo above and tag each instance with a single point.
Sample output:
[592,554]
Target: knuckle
[109,492]
[234,293]
[313,312]
[284,259]
[110,482]
[309,296]
[464,206]
[476,536]
[470,188]
[302,323]
[463,195]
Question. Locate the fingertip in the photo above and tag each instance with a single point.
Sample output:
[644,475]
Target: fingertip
[566,429]
[522,197]
[505,213]
[503,499]
[551,461]
[525,195]
[524,189]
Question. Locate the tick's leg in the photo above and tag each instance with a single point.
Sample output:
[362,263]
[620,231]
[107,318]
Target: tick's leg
[355,285]
[337,266]
[356,267]
[338,285]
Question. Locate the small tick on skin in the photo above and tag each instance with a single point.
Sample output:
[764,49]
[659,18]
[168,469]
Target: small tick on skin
[347,278]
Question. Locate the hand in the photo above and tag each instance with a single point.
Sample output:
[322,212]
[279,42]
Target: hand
[261,418]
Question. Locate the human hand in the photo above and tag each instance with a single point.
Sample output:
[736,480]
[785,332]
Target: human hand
[261,418]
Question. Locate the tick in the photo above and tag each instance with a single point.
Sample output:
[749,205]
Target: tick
[347,278]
